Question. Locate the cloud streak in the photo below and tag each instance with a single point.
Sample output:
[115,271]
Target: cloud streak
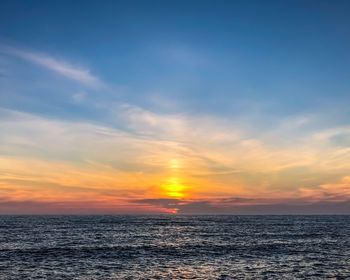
[78,74]
[244,206]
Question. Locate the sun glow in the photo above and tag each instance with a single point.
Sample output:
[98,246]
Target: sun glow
[174,164]
[171,211]
[173,185]
[174,188]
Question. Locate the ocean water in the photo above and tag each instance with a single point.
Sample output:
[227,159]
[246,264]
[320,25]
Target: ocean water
[174,247]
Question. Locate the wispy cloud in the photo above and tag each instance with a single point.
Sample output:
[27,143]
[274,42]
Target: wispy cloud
[64,68]
[51,156]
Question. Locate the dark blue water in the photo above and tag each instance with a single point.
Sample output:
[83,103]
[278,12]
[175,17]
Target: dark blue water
[175,247]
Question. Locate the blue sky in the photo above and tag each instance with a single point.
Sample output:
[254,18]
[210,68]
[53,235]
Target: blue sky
[219,57]
[272,74]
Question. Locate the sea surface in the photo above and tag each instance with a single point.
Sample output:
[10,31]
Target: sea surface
[174,247]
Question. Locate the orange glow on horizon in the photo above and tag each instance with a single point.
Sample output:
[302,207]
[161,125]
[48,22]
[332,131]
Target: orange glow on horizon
[171,211]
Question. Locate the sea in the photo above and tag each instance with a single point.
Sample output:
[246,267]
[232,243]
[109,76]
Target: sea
[174,247]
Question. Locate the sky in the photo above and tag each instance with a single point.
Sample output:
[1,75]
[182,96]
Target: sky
[165,107]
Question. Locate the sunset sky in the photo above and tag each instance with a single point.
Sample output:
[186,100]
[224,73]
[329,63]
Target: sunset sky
[190,107]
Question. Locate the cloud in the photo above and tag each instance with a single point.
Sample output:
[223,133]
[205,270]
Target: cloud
[158,201]
[78,74]
[341,139]
[336,191]
[85,207]
[219,169]
[255,207]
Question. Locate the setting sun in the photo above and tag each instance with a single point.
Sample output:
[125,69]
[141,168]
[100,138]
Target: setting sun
[174,188]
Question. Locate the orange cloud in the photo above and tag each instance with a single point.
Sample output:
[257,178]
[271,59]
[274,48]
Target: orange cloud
[193,160]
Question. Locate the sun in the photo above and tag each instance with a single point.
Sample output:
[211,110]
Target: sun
[174,188]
